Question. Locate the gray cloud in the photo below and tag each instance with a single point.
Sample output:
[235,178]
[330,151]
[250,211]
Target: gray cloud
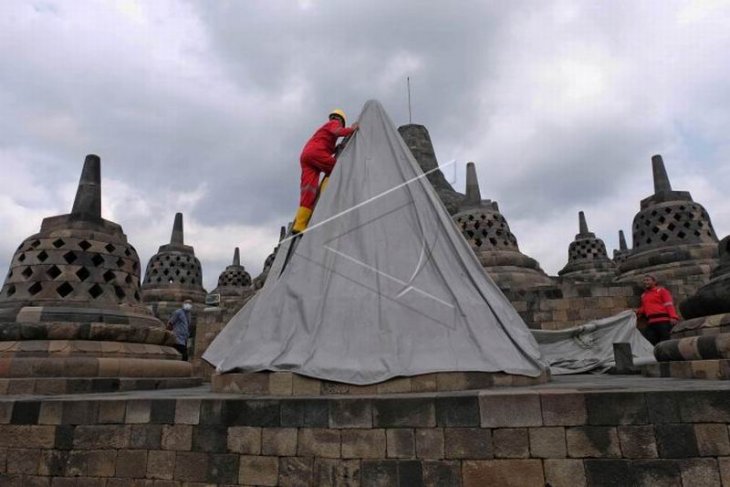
[204,107]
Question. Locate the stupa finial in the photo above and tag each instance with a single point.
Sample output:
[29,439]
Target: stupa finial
[87,203]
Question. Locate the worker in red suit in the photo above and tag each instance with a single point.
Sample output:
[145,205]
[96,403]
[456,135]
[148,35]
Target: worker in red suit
[658,307]
[318,157]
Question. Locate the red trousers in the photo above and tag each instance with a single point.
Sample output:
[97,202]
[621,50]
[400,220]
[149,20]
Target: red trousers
[313,164]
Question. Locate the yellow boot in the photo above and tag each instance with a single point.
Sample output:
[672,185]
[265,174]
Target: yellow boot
[323,184]
[301,220]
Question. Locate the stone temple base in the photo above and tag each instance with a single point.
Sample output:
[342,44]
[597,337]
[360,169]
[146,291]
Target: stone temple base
[84,385]
[290,384]
[706,325]
[693,369]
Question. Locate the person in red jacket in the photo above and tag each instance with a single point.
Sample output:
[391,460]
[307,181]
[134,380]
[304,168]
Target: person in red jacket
[318,157]
[658,307]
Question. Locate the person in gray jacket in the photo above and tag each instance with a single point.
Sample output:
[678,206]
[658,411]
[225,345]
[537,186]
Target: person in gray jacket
[179,323]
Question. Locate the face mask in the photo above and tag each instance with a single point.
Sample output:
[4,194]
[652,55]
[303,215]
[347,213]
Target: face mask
[187,306]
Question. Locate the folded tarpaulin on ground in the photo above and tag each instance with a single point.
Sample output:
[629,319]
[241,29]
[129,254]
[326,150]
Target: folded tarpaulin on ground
[381,285]
[589,347]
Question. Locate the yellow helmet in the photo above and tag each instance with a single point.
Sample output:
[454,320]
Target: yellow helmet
[338,113]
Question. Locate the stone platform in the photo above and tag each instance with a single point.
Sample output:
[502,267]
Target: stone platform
[718,369]
[574,431]
[289,384]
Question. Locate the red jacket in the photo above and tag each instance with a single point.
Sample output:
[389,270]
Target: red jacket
[324,139]
[657,305]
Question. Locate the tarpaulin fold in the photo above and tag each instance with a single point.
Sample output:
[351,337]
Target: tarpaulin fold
[589,347]
[381,285]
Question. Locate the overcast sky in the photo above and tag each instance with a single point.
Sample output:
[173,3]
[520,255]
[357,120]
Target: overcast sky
[203,107]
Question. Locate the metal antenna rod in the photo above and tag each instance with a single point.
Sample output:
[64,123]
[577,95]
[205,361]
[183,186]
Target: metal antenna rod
[408,82]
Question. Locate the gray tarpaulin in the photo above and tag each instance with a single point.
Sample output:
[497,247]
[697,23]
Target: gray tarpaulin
[589,347]
[381,285]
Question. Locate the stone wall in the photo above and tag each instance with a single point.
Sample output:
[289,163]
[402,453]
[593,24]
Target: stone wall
[520,438]
[569,304]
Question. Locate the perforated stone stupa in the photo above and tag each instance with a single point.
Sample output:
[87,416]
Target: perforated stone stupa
[174,273]
[234,280]
[620,254]
[587,257]
[70,305]
[673,237]
[489,235]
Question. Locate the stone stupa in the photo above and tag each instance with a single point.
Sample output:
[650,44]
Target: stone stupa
[673,238]
[489,235]
[71,315]
[173,275]
[587,257]
[234,280]
[620,254]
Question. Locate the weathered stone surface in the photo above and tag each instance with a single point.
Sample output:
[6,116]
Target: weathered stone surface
[712,439]
[223,469]
[244,439]
[296,471]
[723,463]
[27,436]
[52,463]
[457,411]
[351,413]
[467,443]
[625,408]
[563,409]
[112,411]
[308,413]
[700,472]
[593,442]
[145,436]
[319,443]
[23,460]
[259,470]
[187,411]
[336,473]
[430,443]
[362,443]
[93,437]
[177,437]
[379,473]
[252,413]
[401,443]
[404,413]
[507,473]
[442,473]
[138,411]
[608,472]
[91,463]
[191,466]
[514,410]
[210,438]
[130,463]
[637,441]
[667,444]
[652,473]
[160,464]
[548,442]
[510,443]
[564,473]
[280,442]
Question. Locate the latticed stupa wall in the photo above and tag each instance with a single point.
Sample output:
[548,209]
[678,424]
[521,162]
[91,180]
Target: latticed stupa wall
[74,268]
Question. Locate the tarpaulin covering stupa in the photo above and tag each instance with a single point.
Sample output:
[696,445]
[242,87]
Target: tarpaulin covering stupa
[382,284]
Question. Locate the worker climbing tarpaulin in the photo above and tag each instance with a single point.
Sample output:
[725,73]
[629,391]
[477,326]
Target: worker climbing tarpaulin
[589,347]
[381,284]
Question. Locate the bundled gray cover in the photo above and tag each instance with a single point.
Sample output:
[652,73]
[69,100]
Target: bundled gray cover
[589,347]
[381,285]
